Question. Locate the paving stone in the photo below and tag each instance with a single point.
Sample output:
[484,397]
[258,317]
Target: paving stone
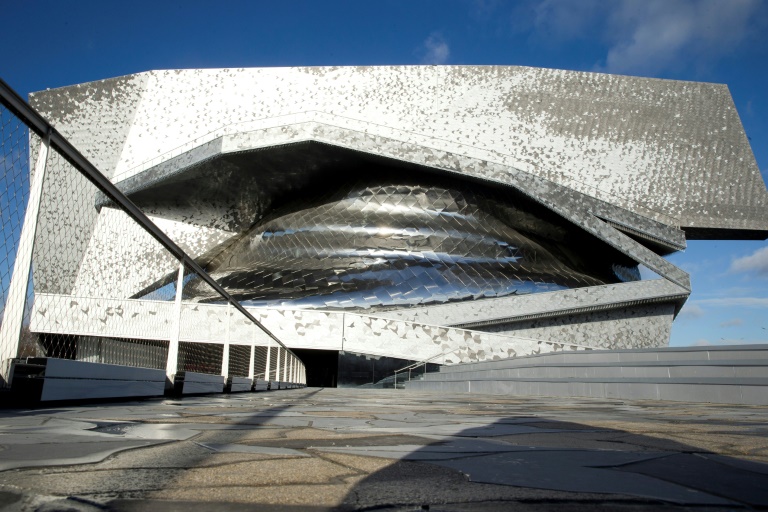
[346,449]
[8,498]
[61,453]
[125,505]
[577,471]
[243,448]
[455,429]
[419,485]
[88,482]
[366,465]
[299,496]
[745,465]
[264,473]
[173,431]
[584,440]
[457,448]
[348,441]
[707,475]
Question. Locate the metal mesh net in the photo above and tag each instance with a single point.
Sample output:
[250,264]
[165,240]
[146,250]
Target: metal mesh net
[203,332]
[15,141]
[273,363]
[239,360]
[260,363]
[86,275]
[200,357]
[82,279]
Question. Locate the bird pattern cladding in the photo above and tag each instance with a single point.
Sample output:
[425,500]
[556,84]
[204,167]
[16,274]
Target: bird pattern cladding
[388,240]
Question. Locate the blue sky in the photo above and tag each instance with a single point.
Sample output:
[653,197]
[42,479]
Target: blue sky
[51,44]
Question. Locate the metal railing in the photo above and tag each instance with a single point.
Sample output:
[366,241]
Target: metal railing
[443,355]
[72,270]
[409,368]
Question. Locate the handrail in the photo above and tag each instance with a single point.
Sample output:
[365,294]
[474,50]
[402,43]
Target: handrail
[42,127]
[538,340]
[424,361]
[429,359]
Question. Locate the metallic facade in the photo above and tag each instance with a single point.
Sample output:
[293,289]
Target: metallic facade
[510,207]
[386,241]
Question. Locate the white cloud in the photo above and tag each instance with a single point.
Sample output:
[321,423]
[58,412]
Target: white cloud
[722,341]
[740,341]
[555,21]
[483,9]
[436,50]
[744,302]
[566,19]
[757,263]
[649,36]
[646,37]
[735,322]
[691,311]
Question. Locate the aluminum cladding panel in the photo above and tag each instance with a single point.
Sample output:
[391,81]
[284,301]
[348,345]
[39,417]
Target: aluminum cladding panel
[673,151]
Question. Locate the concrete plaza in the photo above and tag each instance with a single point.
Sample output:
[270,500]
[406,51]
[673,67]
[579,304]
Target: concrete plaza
[351,449]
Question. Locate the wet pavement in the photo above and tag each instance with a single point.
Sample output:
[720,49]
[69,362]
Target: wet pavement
[346,449]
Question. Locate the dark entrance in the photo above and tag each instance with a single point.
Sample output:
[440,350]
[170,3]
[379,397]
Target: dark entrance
[322,366]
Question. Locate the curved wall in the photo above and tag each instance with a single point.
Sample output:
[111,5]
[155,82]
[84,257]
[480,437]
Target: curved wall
[388,240]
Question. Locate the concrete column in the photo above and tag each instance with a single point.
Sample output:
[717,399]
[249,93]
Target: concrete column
[285,367]
[288,367]
[10,331]
[266,368]
[277,365]
[173,344]
[225,352]
[251,362]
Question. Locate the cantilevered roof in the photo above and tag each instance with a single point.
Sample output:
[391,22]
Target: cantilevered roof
[672,151]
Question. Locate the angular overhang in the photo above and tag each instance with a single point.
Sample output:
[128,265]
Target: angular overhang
[674,152]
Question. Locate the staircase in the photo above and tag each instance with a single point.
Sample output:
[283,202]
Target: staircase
[727,375]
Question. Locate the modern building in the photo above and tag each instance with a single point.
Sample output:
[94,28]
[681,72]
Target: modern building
[379,215]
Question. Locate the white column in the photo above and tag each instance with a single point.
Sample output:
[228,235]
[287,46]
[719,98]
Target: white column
[285,367]
[277,365]
[10,331]
[225,352]
[252,359]
[266,368]
[251,362]
[173,344]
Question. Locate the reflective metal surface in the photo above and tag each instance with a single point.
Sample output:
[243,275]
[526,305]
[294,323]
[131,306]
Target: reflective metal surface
[397,241]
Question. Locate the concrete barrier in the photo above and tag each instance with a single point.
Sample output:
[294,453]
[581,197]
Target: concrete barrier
[50,379]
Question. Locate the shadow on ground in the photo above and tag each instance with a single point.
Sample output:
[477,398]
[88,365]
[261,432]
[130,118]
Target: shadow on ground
[385,449]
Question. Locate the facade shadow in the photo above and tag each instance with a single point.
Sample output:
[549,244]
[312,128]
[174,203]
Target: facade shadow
[554,462]
[342,449]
